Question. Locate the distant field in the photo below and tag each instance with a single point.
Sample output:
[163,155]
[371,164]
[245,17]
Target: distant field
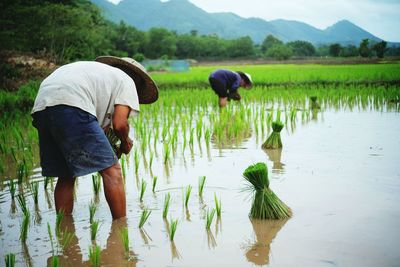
[275,74]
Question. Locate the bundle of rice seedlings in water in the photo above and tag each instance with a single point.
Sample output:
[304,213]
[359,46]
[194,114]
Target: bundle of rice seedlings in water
[274,139]
[314,103]
[114,140]
[266,205]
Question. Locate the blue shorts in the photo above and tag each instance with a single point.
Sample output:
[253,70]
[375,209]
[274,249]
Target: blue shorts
[71,142]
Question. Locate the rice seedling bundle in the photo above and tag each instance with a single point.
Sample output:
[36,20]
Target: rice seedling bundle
[114,140]
[266,205]
[274,140]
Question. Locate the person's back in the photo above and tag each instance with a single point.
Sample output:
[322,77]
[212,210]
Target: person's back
[230,79]
[88,85]
[74,109]
[225,84]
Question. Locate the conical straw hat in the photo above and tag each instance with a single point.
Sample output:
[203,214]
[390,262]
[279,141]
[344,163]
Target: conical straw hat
[146,87]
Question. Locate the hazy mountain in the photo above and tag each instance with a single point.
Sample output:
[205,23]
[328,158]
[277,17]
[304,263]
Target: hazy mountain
[183,17]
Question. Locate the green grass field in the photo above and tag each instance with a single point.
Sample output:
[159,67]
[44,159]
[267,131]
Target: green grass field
[287,73]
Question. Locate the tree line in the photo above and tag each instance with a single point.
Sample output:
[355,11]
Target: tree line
[69,30]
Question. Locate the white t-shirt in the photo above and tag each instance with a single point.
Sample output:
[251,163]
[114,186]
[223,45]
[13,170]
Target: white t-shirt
[91,86]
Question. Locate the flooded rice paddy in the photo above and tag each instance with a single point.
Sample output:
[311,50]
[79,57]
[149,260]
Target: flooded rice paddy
[338,171]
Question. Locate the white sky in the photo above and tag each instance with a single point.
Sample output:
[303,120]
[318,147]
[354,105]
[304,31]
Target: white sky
[379,17]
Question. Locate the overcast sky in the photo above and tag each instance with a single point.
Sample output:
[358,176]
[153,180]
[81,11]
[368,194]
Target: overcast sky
[379,17]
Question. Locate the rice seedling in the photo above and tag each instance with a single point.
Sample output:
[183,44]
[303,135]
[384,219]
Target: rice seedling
[22,203]
[55,261]
[202,181]
[92,211]
[10,260]
[136,159]
[218,205]
[167,200]
[124,235]
[24,226]
[167,152]
[96,181]
[143,218]
[209,218]
[35,192]
[172,229]
[46,182]
[66,239]
[274,140]
[153,189]
[94,227]
[266,205]
[314,103]
[22,172]
[151,159]
[123,166]
[95,255]
[143,186]
[191,138]
[187,195]
[59,218]
[13,188]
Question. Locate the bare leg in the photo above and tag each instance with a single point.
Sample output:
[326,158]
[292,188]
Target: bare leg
[64,194]
[114,190]
[222,102]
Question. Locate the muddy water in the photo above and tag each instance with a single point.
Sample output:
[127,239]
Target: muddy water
[340,174]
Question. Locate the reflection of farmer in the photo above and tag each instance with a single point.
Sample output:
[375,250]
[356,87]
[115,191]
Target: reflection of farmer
[73,108]
[265,231]
[225,84]
[113,254]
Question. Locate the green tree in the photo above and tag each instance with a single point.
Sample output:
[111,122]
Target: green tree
[380,49]
[302,48]
[335,50]
[269,42]
[322,50]
[160,42]
[187,46]
[364,49]
[349,51]
[280,52]
[242,47]
[128,39]
[212,46]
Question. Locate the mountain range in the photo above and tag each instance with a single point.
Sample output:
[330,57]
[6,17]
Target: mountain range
[183,17]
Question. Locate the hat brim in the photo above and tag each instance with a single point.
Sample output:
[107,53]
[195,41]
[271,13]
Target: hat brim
[145,86]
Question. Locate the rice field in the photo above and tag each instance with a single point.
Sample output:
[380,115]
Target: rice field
[187,198]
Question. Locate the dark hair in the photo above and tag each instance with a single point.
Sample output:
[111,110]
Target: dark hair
[244,77]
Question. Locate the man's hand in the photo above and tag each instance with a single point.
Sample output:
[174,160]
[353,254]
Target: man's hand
[235,96]
[121,128]
[126,146]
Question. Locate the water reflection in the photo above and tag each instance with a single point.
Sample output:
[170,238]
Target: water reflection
[112,255]
[275,155]
[265,231]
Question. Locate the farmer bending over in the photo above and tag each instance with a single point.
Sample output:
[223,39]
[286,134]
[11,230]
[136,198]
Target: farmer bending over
[225,84]
[74,108]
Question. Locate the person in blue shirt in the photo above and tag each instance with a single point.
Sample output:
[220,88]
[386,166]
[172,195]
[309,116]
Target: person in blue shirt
[226,83]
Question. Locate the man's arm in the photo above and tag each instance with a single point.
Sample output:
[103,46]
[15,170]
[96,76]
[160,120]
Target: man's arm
[121,127]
